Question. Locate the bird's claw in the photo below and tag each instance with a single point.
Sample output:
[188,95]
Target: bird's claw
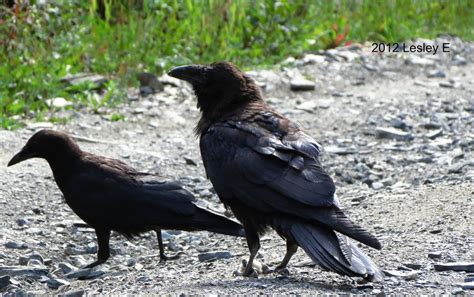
[164,258]
[282,271]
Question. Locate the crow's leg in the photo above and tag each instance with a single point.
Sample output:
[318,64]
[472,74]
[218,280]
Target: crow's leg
[103,253]
[291,248]
[163,257]
[253,243]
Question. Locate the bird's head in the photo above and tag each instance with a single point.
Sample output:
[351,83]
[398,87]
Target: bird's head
[220,87]
[46,144]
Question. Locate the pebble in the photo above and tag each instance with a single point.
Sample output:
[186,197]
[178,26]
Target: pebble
[435,255]
[4,281]
[23,270]
[66,267]
[413,265]
[455,266]
[457,167]
[302,84]
[308,106]
[467,286]
[16,245]
[469,278]
[85,273]
[81,78]
[74,293]
[436,73]
[377,185]
[58,102]
[392,133]
[434,134]
[205,257]
[55,283]
[409,275]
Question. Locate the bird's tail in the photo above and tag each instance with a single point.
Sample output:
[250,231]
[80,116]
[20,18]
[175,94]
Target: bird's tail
[334,252]
[210,221]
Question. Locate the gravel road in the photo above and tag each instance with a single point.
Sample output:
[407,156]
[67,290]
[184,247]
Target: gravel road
[398,133]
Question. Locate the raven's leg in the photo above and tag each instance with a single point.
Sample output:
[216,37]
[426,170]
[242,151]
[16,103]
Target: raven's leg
[103,253]
[291,248]
[253,243]
[163,257]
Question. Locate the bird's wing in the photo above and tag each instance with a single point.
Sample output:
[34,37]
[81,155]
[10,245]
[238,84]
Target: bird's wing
[286,164]
[114,198]
[273,167]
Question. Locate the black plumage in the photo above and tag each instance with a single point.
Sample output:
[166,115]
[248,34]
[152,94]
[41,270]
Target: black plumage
[267,171]
[109,195]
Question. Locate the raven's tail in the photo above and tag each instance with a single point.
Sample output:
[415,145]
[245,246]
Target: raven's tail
[334,252]
[208,220]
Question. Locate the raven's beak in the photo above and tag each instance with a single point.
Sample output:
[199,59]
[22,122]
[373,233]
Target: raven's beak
[23,155]
[193,74]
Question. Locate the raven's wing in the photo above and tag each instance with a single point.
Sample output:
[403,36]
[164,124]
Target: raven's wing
[268,164]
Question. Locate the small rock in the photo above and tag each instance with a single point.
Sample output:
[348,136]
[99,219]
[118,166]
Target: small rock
[190,161]
[151,81]
[55,283]
[447,84]
[377,185]
[85,273]
[409,275]
[204,257]
[313,59]
[39,125]
[416,60]
[435,255]
[467,286]
[80,78]
[437,73]
[469,278]
[434,134]
[22,222]
[23,270]
[58,102]
[308,106]
[5,281]
[337,150]
[301,84]
[455,266]
[413,265]
[74,293]
[392,133]
[457,167]
[16,245]
[66,267]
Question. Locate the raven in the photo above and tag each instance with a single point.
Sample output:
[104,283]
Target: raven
[266,169]
[109,195]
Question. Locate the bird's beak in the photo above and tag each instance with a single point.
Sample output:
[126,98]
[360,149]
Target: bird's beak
[194,74]
[22,155]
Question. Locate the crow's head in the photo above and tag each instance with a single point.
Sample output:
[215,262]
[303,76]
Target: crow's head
[220,87]
[47,144]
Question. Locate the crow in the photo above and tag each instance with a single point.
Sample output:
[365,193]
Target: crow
[266,169]
[109,195]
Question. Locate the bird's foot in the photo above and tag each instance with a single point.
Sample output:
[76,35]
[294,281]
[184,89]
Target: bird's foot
[164,258]
[254,271]
[283,271]
[93,264]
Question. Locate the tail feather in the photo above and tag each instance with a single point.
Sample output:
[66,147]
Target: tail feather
[210,221]
[337,220]
[331,251]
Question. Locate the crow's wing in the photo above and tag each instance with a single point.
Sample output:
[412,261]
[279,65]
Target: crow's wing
[273,167]
[124,203]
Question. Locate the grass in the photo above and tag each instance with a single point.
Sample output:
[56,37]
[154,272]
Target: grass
[41,44]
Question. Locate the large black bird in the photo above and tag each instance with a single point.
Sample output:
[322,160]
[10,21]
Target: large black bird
[109,195]
[267,171]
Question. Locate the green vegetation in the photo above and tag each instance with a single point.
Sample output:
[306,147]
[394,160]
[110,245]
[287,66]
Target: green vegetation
[41,44]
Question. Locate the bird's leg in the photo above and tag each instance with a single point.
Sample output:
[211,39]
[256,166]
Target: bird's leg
[163,257]
[103,253]
[291,248]
[253,243]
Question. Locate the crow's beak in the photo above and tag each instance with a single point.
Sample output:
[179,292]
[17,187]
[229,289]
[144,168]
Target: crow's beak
[23,155]
[194,74]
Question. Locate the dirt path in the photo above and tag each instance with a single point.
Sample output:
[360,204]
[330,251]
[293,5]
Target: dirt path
[415,193]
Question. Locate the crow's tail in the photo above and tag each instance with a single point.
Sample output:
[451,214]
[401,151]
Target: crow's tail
[207,220]
[334,252]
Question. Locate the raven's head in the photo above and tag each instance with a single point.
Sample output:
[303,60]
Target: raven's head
[47,144]
[220,87]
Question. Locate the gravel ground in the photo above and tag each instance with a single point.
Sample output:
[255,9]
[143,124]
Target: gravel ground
[398,132]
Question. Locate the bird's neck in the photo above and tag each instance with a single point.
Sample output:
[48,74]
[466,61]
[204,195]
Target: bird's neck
[62,167]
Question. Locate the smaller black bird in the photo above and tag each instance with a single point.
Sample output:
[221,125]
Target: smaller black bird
[109,195]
